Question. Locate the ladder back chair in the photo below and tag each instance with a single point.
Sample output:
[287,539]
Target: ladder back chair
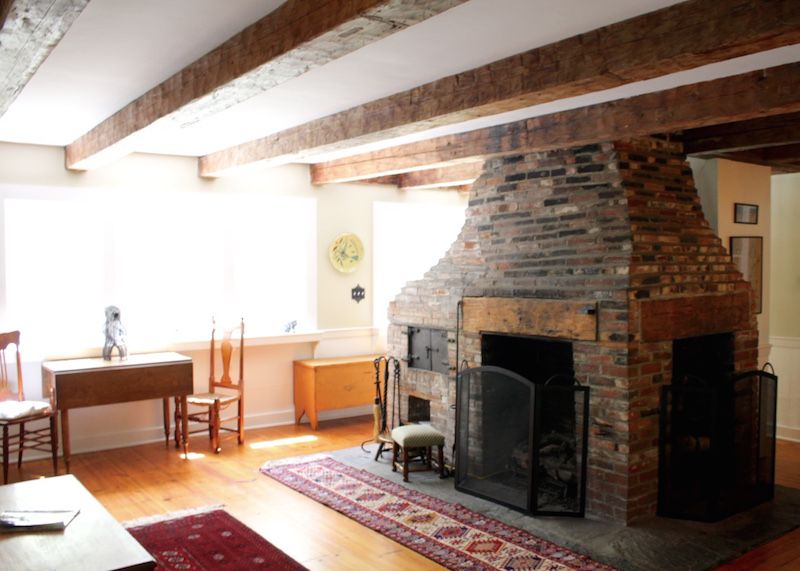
[16,411]
[225,394]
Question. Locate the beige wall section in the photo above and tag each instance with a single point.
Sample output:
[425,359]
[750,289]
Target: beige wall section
[785,286]
[721,184]
[750,184]
[349,208]
[346,208]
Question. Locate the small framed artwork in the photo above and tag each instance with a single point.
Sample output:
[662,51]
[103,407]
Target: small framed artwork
[748,256]
[745,213]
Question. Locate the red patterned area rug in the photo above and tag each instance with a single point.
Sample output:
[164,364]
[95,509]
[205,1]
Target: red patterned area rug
[449,534]
[212,540]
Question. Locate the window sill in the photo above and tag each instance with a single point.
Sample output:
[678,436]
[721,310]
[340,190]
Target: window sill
[312,337]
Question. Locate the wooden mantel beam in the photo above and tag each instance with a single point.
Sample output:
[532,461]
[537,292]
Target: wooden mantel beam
[297,36]
[683,36]
[742,97]
[29,30]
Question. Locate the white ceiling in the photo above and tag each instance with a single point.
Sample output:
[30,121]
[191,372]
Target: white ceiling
[117,49]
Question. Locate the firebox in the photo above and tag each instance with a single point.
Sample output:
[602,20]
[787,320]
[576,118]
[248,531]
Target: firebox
[717,443]
[419,409]
[522,434]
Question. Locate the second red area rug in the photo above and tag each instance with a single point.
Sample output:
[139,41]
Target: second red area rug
[210,541]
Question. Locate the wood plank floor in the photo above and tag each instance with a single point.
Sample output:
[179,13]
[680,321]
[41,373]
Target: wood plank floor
[152,479]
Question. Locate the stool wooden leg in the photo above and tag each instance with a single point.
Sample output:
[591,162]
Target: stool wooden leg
[405,464]
[441,461]
[429,458]
[395,450]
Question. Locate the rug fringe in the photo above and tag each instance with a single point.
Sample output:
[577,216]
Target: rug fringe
[294,460]
[158,518]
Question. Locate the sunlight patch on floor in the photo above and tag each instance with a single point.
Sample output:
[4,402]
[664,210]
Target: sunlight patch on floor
[284,441]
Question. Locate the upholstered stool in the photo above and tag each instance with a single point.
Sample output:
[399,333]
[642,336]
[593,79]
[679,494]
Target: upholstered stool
[416,436]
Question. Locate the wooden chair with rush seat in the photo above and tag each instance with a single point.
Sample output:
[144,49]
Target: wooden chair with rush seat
[16,411]
[224,393]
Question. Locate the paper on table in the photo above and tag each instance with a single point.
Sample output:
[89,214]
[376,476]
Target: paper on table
[36,520]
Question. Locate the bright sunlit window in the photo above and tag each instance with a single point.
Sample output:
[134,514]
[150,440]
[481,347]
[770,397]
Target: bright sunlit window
[409,239]
[169,263]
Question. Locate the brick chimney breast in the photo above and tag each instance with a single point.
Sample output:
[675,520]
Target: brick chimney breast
[614,226]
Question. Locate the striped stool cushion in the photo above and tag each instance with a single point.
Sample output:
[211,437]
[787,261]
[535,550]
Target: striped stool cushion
[417,436]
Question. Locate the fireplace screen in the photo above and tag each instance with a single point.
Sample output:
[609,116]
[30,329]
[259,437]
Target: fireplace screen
[717,445]
[520,443]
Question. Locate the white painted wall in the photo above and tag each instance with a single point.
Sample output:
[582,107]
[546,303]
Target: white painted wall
[344,327]
[705,180]
[785,310]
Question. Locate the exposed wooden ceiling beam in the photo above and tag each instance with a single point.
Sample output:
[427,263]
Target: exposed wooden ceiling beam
[454,176]
[782,159]
[747,96]
[29,30]
[780,154]
[743,135]
[443,177]
[679,37]
[393,180]
[294,38]
[5,6]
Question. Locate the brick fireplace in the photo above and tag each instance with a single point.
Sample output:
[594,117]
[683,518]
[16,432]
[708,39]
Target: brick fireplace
[604,246]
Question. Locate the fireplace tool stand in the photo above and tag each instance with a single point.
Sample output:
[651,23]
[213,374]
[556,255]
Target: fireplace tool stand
[383,422]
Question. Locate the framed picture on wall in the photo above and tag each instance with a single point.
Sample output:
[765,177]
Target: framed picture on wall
[748,256]
[745,213]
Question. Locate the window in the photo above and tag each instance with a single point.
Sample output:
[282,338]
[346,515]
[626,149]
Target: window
[409,239]
[54,254]
[169,262]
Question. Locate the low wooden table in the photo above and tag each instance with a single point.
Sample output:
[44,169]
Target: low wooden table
[337,382]
[92,541]
[78,383]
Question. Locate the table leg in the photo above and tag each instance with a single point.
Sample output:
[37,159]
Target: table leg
[166,421]
[178,422]
[65,437]
[184,427]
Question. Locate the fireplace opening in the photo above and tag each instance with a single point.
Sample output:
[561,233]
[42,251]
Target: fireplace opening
[717,440]
[709,357]
[534,358]
[419,409]
[522,427]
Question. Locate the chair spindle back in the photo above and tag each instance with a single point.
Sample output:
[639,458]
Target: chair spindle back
[226,352]
[7,339]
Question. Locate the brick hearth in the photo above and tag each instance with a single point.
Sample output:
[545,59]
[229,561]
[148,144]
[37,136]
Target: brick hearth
[616,227]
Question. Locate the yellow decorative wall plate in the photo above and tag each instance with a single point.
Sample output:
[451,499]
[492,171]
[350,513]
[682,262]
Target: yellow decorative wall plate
[346,252]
